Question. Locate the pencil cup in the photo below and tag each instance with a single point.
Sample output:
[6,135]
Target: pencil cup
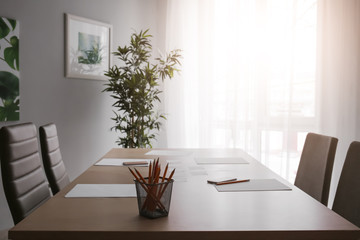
[154,199]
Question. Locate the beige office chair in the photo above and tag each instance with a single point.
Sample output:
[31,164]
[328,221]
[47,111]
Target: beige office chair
[347,197]
[315,167]
[24,181]
[51,155]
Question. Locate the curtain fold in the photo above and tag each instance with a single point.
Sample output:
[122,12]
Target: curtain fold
[339,76]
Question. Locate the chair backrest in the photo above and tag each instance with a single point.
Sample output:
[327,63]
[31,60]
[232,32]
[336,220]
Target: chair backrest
[315,167]
[54,166]
[347,197]
[23,178]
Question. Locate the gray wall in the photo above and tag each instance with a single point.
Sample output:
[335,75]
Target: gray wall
[78,107]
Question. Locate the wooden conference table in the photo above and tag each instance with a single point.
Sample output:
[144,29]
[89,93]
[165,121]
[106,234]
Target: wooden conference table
[197,211]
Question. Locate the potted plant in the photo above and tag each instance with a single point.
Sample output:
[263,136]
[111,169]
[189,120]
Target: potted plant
[135,87]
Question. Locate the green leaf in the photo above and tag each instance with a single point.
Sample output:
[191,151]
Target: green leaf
[12,22]
[10,111]
[9,86]
[11,54]
[2,114]
[4,29]
[13,116]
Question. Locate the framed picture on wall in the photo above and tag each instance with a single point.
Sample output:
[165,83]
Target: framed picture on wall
[87,48]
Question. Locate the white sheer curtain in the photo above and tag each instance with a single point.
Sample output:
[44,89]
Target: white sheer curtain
[260,74]
[248,77]
[339,75]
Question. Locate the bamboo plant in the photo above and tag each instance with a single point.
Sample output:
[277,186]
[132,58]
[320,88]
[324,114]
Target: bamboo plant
[135,87]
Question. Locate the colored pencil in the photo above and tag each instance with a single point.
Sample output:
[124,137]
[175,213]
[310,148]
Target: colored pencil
[154,185]
[238,181]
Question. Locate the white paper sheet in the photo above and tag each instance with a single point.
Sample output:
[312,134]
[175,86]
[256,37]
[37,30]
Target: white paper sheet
[120,161]
[168,153]
[102,190]
[254,185]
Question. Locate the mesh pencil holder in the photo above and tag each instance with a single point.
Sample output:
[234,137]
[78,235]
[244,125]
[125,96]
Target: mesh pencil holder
[154,199]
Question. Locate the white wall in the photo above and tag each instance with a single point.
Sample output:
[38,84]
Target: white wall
[78,107]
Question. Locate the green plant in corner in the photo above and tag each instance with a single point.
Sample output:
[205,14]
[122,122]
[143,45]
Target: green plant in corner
[9,60]
[135,87]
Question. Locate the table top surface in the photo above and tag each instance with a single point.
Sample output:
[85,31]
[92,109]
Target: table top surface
[197,209]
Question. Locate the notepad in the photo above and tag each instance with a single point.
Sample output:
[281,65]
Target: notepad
[123,162]
[102,190]
[254,185]
[221,161]
[168,153]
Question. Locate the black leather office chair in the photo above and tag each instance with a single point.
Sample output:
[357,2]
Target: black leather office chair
[347,197]
[51,155]
[315,167]
[24,181]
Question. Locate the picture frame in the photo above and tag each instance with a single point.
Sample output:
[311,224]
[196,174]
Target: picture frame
[87,48]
